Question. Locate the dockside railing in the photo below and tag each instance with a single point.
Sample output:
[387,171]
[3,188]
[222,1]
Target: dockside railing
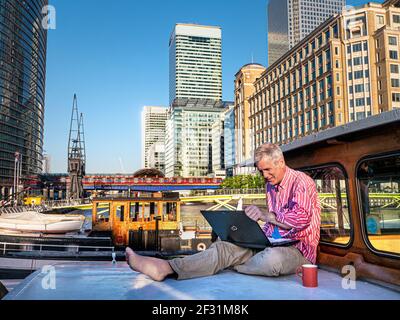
[27,247]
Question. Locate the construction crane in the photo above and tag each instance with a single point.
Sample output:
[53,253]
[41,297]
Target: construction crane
[76,154]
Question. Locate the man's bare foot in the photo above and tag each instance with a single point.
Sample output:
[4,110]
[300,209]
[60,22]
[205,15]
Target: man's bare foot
[157,269]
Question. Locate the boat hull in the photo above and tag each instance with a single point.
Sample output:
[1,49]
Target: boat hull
[42,223]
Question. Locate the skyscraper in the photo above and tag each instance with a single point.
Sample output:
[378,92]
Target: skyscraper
[278,29]
[195,62]
[23,42]
[290,21]
[153,130]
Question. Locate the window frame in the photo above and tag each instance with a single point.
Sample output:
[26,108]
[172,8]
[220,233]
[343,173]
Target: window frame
[364,233]
[350,209]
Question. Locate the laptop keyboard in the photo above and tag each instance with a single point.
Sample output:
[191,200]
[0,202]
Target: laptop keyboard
[272,240]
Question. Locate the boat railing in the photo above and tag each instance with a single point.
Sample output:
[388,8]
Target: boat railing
[24,247]
[66,203]
[46,205]
[19,209]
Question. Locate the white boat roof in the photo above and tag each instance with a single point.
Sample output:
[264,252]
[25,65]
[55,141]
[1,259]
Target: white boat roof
[107,281]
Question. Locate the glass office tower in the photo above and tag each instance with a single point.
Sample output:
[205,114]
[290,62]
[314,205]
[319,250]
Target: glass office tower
[22,87]
[195,62]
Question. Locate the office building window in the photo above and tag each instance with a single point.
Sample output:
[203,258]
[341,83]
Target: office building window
[357,61]
[360,115]
[335,30]
[395,83]
[350,76]
[327,35]
[393,54]
[394,68]
[360,102]
[359,88]
[396,18]
[393,41]
[396,97]
[358,74]
[357,47]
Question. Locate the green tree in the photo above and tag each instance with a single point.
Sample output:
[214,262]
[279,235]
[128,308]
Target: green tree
[242,181]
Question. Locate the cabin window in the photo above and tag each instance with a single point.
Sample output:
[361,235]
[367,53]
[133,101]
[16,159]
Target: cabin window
[169,211]
[134,211]
[102,211]
[331,183]
[144,210]
[379,200]
[121,213]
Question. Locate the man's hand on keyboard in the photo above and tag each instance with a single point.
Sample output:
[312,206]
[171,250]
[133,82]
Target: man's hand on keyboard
[255,213]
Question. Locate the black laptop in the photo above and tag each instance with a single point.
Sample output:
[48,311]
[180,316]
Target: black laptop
[238,228]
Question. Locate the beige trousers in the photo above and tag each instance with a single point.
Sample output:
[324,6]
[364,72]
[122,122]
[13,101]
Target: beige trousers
[272,261]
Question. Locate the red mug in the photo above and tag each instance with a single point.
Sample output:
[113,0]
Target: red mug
[309,274]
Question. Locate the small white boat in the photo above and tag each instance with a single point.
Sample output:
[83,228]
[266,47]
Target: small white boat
[32,221]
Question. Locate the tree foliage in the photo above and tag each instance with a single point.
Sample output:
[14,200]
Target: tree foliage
[244,182]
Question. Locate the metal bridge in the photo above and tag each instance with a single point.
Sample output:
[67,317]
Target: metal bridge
[155,184]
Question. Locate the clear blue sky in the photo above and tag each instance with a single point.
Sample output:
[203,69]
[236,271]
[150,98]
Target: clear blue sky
[114,56]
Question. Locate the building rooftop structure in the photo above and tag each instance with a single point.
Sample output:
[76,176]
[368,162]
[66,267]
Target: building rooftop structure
[199,103]
[148,173]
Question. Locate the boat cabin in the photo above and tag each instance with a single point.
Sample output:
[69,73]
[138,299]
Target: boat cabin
[145,222]
[357,171]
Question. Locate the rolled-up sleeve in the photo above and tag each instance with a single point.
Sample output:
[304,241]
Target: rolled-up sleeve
[298,213]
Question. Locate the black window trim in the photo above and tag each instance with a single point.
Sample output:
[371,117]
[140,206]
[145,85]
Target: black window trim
[364,234]
[339,165]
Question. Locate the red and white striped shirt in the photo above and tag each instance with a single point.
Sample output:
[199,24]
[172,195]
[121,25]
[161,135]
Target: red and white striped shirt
[295,203]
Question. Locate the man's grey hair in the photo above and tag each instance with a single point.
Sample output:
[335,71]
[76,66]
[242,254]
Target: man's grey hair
[267,150]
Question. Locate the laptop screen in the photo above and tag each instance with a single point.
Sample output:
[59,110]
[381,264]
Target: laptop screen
[236,227]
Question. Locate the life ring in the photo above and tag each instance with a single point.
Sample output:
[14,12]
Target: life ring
[201,246]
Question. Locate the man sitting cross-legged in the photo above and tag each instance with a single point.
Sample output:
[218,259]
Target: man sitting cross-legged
[294,213]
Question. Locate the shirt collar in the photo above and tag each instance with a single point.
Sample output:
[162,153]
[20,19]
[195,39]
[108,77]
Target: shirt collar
[285,181]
